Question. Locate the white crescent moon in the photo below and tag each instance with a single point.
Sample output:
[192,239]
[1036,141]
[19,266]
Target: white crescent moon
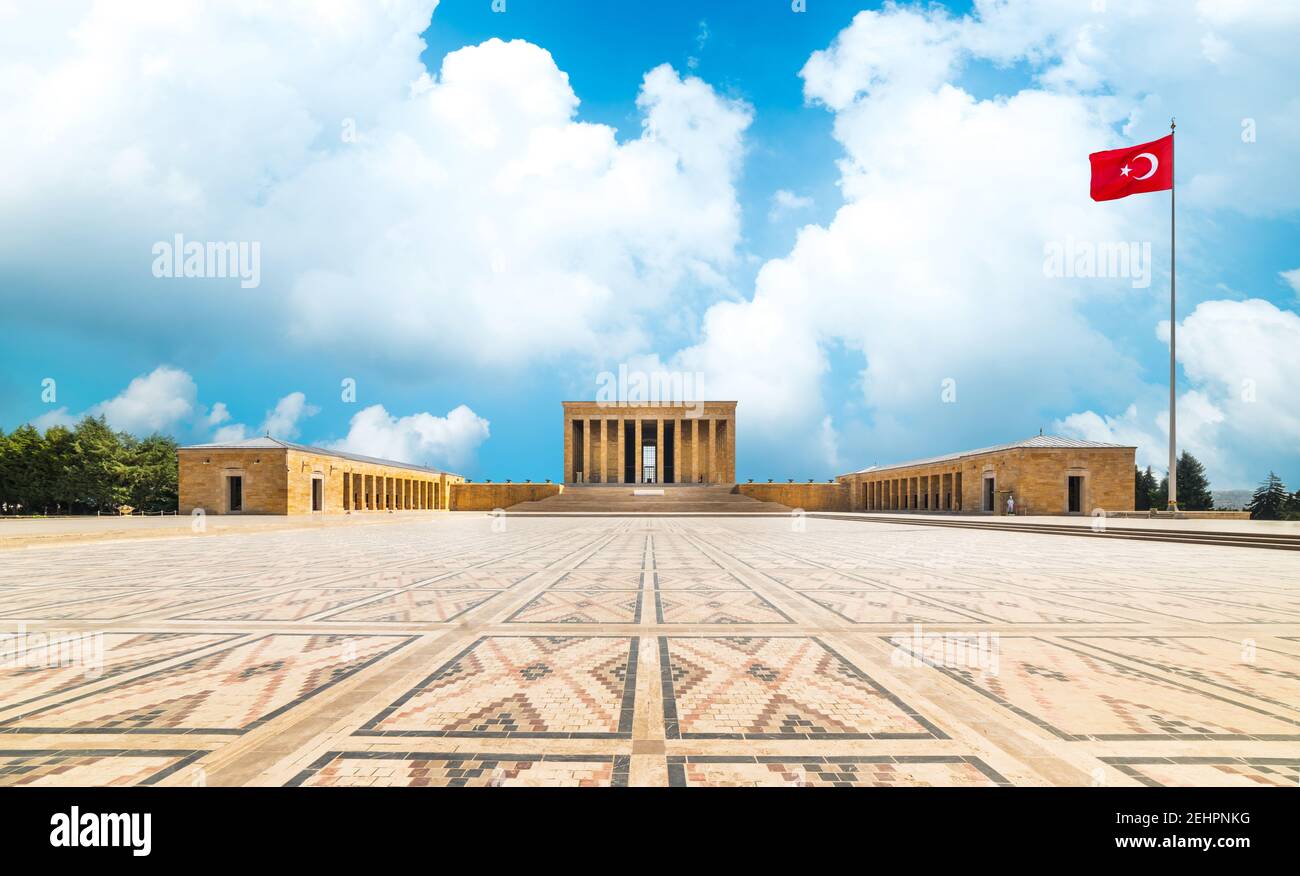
[1155,162]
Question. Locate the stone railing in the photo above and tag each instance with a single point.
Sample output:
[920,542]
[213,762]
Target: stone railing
[486,496]
[808,496]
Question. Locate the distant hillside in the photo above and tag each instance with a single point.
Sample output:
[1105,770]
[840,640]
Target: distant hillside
[1231,500]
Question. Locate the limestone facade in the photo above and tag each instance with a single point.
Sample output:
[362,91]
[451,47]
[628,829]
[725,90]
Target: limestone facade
[1045,474]
[809,497]
[268,476]
[489,497]
[607,443]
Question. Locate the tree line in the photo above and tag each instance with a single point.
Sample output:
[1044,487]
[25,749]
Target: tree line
[85,469]
[1270,501]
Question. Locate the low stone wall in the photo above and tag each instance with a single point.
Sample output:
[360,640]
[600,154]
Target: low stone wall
[1183,515]
[809,497]
[486,497]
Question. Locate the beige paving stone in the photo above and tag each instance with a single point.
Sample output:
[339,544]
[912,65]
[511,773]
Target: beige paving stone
[595,651]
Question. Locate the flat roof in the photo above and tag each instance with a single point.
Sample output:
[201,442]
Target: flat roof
[1038,442]
[268,443]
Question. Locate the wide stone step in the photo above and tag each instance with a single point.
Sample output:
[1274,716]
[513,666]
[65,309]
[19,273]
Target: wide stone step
[665,499]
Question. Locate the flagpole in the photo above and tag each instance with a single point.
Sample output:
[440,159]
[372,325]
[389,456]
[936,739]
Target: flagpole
[1173,328]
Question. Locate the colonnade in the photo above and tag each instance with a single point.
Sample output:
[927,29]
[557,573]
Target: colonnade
[378,492]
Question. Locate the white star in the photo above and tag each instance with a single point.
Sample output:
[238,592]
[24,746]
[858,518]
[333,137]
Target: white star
[1123,171]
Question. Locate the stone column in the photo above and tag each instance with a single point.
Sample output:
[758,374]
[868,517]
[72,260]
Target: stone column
[712,476]
[622,451]
[694,450]
[658,450]
[604,450]
[731,449]
[636,462]
[566,476]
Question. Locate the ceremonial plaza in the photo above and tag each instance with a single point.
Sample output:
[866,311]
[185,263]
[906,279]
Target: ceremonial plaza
[314,618]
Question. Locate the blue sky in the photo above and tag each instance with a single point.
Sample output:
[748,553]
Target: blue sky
[833,320]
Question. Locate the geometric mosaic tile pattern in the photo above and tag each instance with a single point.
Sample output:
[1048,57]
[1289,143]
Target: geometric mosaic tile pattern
[888,607]
[230,690]
[362,769]
[716,607]
[532,686]
[581,607]
[1236,667]
[1211,772]
[776,688]
[441,651]
[1076,694]
[55,665]
[86,768]
[414,606]
[847,771]
[292,606]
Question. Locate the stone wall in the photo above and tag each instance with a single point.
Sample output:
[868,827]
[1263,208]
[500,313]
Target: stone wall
[1036,476]
[487,497]
[809,497]
[279,481]
[203,473]
[393,487]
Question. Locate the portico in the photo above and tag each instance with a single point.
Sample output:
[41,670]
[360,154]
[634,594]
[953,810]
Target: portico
[650,443]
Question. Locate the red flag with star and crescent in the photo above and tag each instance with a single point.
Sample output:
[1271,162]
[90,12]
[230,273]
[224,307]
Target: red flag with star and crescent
[1118,173]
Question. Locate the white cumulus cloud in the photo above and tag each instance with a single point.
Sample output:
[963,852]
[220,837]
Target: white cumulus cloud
[154,402]
[405,213]
[422,438]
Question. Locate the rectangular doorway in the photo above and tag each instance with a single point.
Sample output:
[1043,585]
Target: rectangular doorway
[989,493]
[1074,492]
[236,493]
[317,494]
[648,459]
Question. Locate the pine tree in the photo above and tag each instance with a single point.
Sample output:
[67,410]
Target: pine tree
[22,450]
[1144,489]
[1270,501]
[1193,485]
[151,474]
[96,474]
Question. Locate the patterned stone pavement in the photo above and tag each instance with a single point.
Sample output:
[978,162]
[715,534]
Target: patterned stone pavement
[605,651]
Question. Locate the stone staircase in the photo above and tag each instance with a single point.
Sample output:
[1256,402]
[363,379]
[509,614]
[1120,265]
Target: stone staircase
[677,499]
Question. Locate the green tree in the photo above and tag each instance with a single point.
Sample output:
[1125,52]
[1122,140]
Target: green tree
[1193,486]
[1270,500]
[151,474]
[52,485]
[97,474]
[86,469]
[22,449]
[1145,487]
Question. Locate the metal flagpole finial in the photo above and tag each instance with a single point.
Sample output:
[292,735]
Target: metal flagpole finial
[1172,124]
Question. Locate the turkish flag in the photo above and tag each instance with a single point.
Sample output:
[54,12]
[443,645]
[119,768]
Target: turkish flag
[1118,173]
